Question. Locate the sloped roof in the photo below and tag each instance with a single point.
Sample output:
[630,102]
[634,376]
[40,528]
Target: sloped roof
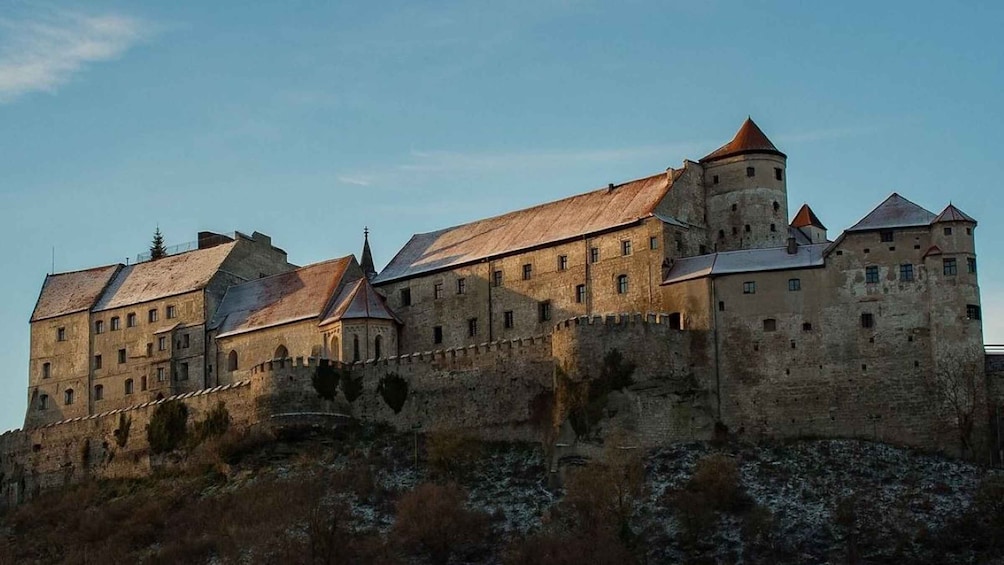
[169,276]
[749,139]
[800,236]
[746,261]
[953,214]
[359,300]
[292,296]
[67,293]
[564,219]
[806,217]
[894,212]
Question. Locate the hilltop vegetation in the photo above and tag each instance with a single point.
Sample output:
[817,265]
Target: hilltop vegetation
[357,496]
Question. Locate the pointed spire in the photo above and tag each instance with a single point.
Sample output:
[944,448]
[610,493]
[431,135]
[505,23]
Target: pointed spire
[367,263]
[953,214]
[806,217]
[749,139]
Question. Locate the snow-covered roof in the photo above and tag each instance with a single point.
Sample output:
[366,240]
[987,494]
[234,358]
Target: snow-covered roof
[548,223]
[894,212]
[746,261]
[67,293]
[169,276]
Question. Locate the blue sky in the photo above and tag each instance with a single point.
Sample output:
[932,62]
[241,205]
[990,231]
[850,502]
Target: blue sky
[309,120]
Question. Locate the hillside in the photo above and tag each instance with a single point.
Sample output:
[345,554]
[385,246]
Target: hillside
[356,496]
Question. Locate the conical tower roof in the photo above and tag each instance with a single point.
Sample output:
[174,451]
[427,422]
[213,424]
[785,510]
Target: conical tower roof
[749,139]
[806,217]
[953,214]
[894,212]
[367,261]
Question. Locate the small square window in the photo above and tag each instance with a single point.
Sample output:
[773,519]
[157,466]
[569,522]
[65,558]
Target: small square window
[778,173]
[626,247]
[906,272]
[594,254]
[152,316]
[735,207]
[61,334]
[866,250]
[948,231]
[580,293]
[172,312]
[840,252]
[773,227]
[750,172]
[746,228]
[405,297]
[769,325]
[131,320]
[871,275]
[544,311]
[437,334]
[461,286]
[749,287]
[653,242]
[885,236]
[496,278]
[950,267]
[806,327]
[122,356]
[969,231]
[562,262]
[508,320]
[437,290]
[867,320]
[973,312]
[472,327]
[794,285]
[527,271]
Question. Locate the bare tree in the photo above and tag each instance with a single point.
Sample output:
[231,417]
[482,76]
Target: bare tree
[957,382]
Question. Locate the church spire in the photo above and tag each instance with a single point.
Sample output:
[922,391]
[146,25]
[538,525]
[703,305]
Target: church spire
[367,261]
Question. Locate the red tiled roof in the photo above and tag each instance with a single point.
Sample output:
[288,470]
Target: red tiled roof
[67,293]
[894,212]
[359,300]
[296,295]
[544,224]
[953,214]
[749,139]
[806,217]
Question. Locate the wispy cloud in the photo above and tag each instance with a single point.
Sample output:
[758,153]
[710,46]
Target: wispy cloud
[355,181]
[41,51]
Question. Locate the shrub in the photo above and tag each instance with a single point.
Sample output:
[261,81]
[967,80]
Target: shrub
[557,548]
[716,477]
[325,381]
[167,429]
[451,454]
[122,433]
[216,423]
[352,387]
[394,391]
[432,520]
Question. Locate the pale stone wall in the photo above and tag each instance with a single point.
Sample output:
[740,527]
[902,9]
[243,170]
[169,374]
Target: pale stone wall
[68,368]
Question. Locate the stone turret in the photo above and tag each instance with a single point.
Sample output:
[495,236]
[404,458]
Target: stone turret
[747,193]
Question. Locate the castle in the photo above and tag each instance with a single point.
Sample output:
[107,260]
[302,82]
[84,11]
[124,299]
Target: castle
[759,323]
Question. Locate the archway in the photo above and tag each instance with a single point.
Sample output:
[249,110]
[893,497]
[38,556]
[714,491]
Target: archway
[281,352]
[232,360]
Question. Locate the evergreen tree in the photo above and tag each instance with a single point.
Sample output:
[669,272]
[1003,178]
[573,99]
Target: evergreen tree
[157,250]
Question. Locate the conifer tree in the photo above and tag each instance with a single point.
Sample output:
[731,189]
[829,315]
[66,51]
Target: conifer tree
[157,250]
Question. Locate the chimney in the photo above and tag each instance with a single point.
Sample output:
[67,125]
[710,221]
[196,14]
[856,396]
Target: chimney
[792,246]
[610,188]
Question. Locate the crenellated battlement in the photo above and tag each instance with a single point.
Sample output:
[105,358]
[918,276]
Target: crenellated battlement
[624,319]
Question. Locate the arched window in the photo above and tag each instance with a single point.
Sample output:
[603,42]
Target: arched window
[376,346]
[68,396]
[336,352]
[622,284]
[355,348]
[99,392]
[43,402]
[128,386]
[281,352]
[232,360]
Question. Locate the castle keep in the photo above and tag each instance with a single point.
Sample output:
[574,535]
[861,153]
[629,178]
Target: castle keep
[729,312]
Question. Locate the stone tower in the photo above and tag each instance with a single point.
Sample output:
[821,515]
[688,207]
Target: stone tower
[747,196]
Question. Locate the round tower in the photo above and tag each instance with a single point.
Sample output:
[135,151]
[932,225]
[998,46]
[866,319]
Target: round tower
[747,196]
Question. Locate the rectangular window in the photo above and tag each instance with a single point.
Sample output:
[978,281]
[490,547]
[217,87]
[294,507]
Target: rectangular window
[172,312]
[61,334]
[527,271]
[99,392]
[152,316]
[160,374]
[149,349]
[544,311]
[794,285]
[116,323]
[594,254]
[950,267]
[746,228]
[714,179]
[472,327]
[97,361]
[185,341]
[749,287]
[971,264]
[46,370]
[405,297]
[778,173]
[653,242]
[580,293]
[972,312]
[622,284]
[626,247]
[906,272]
[721,306]
[183,372]
[497,278]
[437,290]
[131,320]
[871,275]
[99,327]
[948,231]
[885,236]
[562,262]
[161,343]
[437,334]
[769,325]
[867,320]
[122,356]
[750,172]
[461,286]
[806,327]
[508,319]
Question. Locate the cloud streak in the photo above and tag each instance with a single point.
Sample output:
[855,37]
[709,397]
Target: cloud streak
[44,51]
